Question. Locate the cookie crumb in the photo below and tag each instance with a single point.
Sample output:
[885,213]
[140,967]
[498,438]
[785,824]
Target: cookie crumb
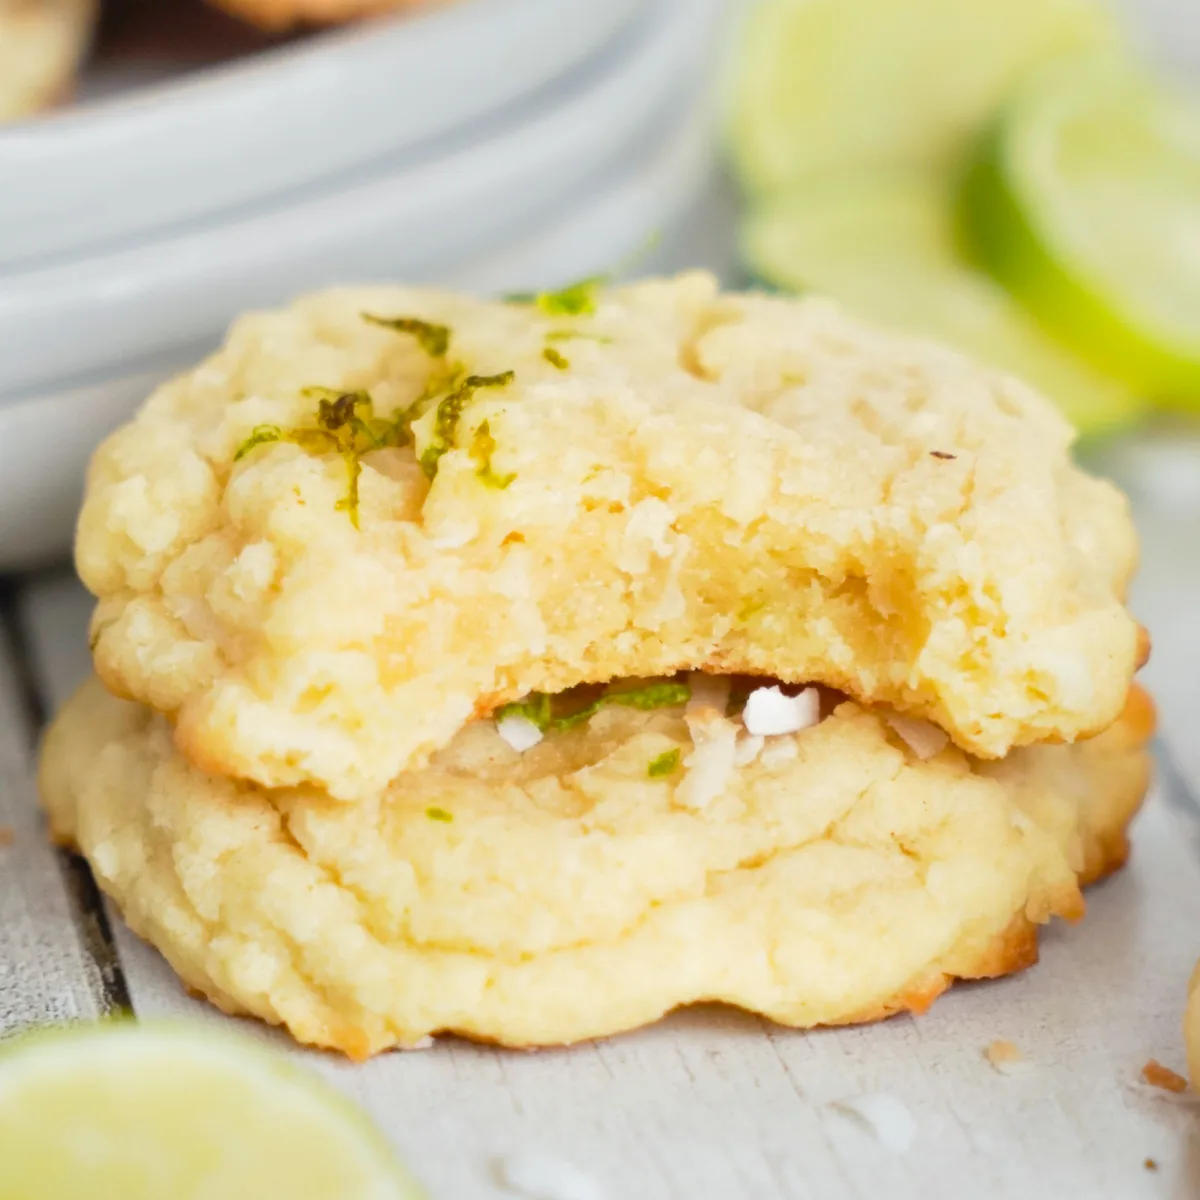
[1156,1075]
[8,835]
[1006,1058]
[1151,1164]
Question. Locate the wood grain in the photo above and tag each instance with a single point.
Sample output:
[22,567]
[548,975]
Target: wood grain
[52,958]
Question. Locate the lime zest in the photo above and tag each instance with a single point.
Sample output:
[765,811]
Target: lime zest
[535,708]
[570,335]
[449,410]
[555,359]
[344,424]
[434,339]
[434,813]
[260,435]
[538,707]
[663,764]
[483,446]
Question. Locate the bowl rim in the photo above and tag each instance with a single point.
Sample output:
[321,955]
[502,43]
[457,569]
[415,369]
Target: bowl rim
[211,140]
[109,308]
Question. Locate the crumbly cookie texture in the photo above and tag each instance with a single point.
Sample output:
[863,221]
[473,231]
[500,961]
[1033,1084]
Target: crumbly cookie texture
[679,480]
[570,892]
[41,43]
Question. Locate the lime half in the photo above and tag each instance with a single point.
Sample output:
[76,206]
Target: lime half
[884,245]
[1085,203]
[124,1112]
[831,84]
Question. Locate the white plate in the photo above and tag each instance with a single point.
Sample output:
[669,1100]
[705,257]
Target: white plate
[235,134]
[94,315]
[45,440]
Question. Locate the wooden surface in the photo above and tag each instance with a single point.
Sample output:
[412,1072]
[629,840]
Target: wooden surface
[712,1105]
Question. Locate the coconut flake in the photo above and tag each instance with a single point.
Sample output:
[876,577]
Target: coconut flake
[519,732]
[714,747]
[923,738]
[747,750]
[883,1116]
[540,1177]
[769,712]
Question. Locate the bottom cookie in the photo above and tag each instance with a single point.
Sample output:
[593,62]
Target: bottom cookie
[608,874]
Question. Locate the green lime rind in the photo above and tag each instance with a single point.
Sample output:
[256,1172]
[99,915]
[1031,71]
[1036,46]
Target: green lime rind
[139,1112]
[886,245]
[1080,203]
[830,85]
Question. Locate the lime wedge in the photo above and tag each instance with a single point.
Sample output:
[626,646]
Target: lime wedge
[884,245]
[128,1112]
[1085,203]
[831,84]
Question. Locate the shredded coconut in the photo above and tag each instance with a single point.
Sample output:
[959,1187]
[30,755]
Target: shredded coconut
[923,738]
[714,748]
[769,712]
[747,750]
[519,732]
[540,1177]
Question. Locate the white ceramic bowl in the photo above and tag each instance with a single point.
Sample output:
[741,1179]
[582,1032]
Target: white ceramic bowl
[45,440]
[92,316]
[240,134]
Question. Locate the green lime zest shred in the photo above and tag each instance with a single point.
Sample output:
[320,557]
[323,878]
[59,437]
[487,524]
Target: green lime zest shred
[260,435]
[575,300]
[439,814]
[483,446]
[654,695]
[449,410]
[434,339]
[664,764]
[555,359]
[344,424]
[538,707]
[569,335]
[579,299]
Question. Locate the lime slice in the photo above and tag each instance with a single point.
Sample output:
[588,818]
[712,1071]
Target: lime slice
[128,1112]
[884,245]
[832,84]
[1085,203]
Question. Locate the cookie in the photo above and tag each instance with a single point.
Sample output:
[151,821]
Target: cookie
[321,589]
[615,870]
[41,45]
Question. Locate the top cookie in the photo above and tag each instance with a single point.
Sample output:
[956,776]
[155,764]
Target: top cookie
[325,589]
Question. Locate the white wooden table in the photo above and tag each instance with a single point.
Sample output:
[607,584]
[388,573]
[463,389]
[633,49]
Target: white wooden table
[710,1104]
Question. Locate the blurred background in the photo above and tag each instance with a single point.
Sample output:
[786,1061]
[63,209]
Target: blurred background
[1018,177]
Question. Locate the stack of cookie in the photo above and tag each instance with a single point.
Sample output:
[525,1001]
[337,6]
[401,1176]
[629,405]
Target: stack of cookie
[529,669]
